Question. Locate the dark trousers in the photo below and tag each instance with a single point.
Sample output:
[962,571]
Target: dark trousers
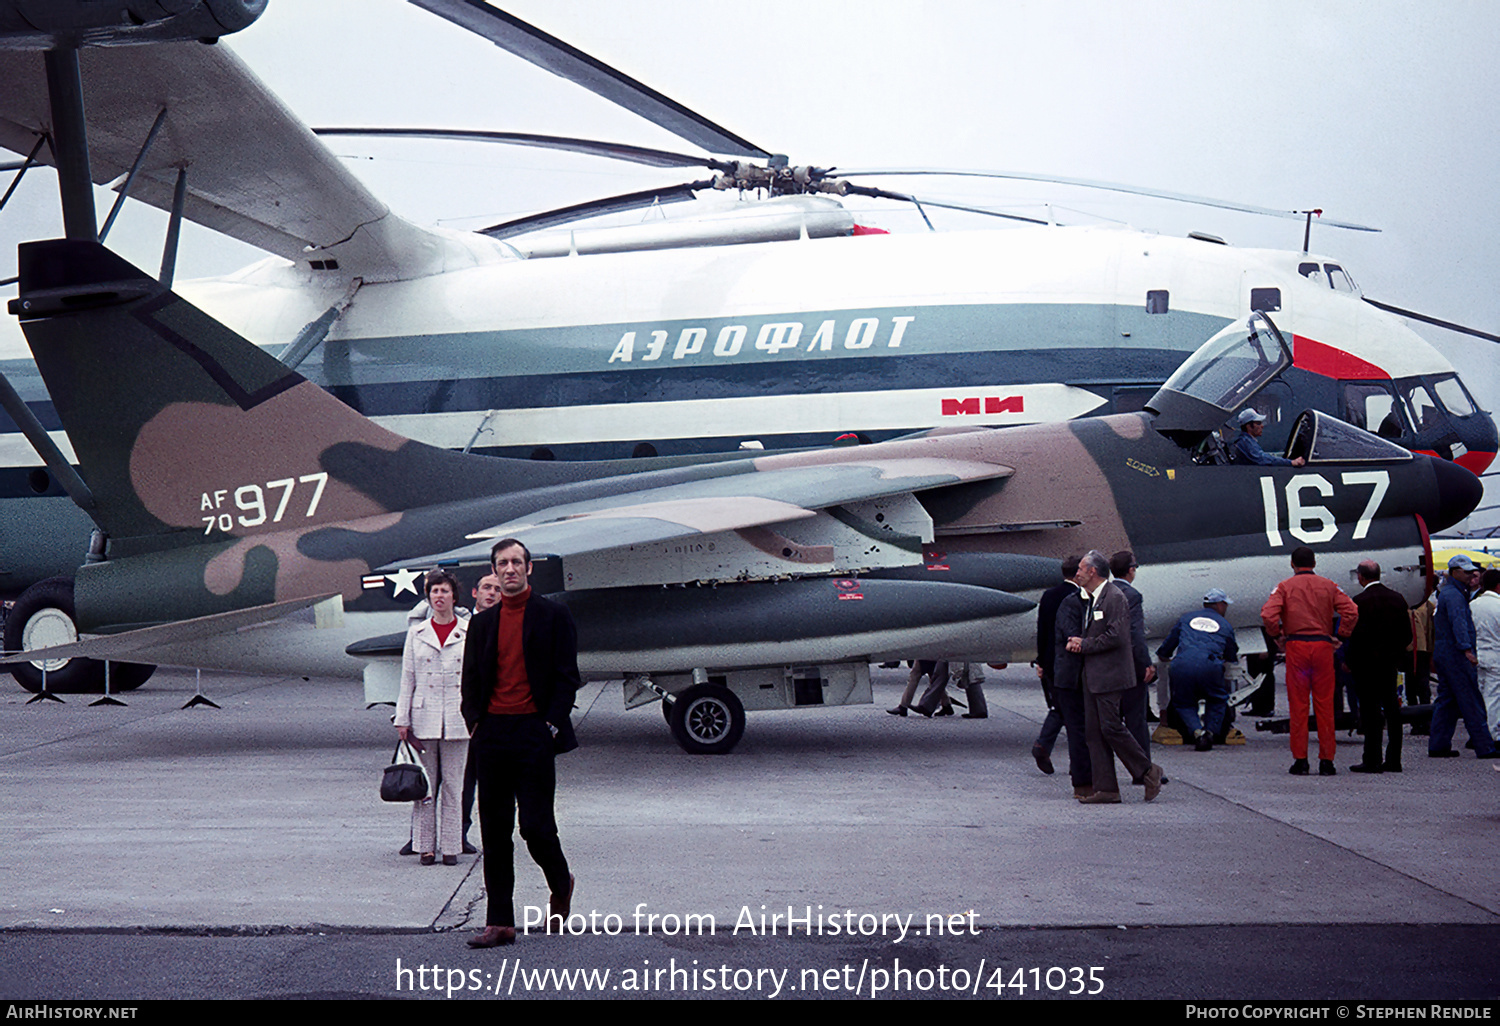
[1052,725]
[514,758]
[1418,692]
[471,778]
[1379,708]
[1133,706]
[1069,703]
[1108,738]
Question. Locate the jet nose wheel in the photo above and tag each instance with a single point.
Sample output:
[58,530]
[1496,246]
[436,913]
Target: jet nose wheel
[707,719]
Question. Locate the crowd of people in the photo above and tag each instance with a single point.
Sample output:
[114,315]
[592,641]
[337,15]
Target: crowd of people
[486,698]
[1094,669]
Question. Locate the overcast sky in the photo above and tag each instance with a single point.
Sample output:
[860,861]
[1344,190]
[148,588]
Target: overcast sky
[1380,113]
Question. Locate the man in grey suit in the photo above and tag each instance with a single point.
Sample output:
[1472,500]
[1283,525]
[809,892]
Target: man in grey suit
[1108,672]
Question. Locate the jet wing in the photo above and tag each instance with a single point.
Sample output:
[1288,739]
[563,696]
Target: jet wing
[732,503]
[120,646]
[254,171]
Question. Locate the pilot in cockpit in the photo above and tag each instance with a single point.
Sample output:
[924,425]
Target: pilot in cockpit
[1246,448]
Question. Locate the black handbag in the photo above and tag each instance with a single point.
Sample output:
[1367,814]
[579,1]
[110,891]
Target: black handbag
[405,779]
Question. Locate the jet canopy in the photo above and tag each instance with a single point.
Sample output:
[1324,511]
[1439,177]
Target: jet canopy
[1318,437]
[1222,376]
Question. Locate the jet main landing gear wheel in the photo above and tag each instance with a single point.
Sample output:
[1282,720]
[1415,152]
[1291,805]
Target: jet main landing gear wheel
[43,617]
[707,719]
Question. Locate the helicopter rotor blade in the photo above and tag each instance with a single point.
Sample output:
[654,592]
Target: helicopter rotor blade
[591,147]
[922,201]
[1089,183]
[545,51]
[1431,320]
[594,208]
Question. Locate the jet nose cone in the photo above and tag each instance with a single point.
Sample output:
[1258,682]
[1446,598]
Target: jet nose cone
[1458,493]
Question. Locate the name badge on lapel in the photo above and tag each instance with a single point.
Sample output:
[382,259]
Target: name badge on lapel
[1098,614]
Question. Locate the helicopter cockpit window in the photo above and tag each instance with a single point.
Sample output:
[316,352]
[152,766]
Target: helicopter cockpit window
[1372,405]
[1338,279]
[1321,438]
[1156,301]
[1311,271]
[1451,393]
[1424,412]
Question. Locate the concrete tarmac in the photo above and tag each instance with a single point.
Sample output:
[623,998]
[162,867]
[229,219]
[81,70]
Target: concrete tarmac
[219,841]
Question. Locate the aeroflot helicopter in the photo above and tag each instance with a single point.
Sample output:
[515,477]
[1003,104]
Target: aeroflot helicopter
[776,321]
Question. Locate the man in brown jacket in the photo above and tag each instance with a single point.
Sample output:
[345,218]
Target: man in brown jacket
[1108,672]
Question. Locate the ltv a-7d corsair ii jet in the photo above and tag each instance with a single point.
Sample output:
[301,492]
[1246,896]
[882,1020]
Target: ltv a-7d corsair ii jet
[245,509]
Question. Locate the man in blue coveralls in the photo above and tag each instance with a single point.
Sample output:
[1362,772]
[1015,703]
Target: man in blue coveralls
[1246,448]
[1455,660]
[1204,643]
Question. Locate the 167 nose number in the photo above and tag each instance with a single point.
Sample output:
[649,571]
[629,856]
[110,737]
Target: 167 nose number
[1312,522]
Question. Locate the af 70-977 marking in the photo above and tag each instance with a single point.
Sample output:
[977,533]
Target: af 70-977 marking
[252,498]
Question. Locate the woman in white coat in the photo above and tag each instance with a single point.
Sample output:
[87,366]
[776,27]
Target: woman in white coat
[1486,611]
[428,714]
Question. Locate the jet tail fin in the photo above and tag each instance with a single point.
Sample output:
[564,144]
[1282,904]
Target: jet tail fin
[187,432]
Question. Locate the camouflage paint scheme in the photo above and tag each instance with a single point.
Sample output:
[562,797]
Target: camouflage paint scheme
[225,481]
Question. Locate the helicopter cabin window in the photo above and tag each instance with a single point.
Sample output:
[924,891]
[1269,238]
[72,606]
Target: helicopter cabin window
[1371,405]
[1156,301]
[1338,279]
[1265,300]
[1451,393]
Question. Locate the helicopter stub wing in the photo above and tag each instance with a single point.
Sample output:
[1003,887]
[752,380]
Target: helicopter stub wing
[254,171]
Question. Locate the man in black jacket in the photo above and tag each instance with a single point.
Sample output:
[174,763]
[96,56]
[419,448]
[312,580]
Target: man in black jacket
[1377,649]
[1046,628]
[520,677]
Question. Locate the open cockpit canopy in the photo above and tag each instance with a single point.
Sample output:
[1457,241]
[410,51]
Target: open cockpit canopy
[1222,376]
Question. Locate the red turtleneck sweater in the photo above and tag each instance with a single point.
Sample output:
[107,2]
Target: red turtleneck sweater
[512,694]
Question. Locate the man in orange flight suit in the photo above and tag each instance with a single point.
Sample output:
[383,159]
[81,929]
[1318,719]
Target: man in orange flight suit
[1300,615]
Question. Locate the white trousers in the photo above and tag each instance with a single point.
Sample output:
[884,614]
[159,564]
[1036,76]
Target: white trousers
[442,810]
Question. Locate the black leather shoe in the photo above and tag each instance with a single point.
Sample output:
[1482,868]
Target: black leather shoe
[469,849]
[1299,768]
[1360,767]
[1043,760]
[429,859]
[493,937]
[900,710]
[975,716]
[1326,768]
[1445,753]
[450,860]
[407,849]
[1391,767]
